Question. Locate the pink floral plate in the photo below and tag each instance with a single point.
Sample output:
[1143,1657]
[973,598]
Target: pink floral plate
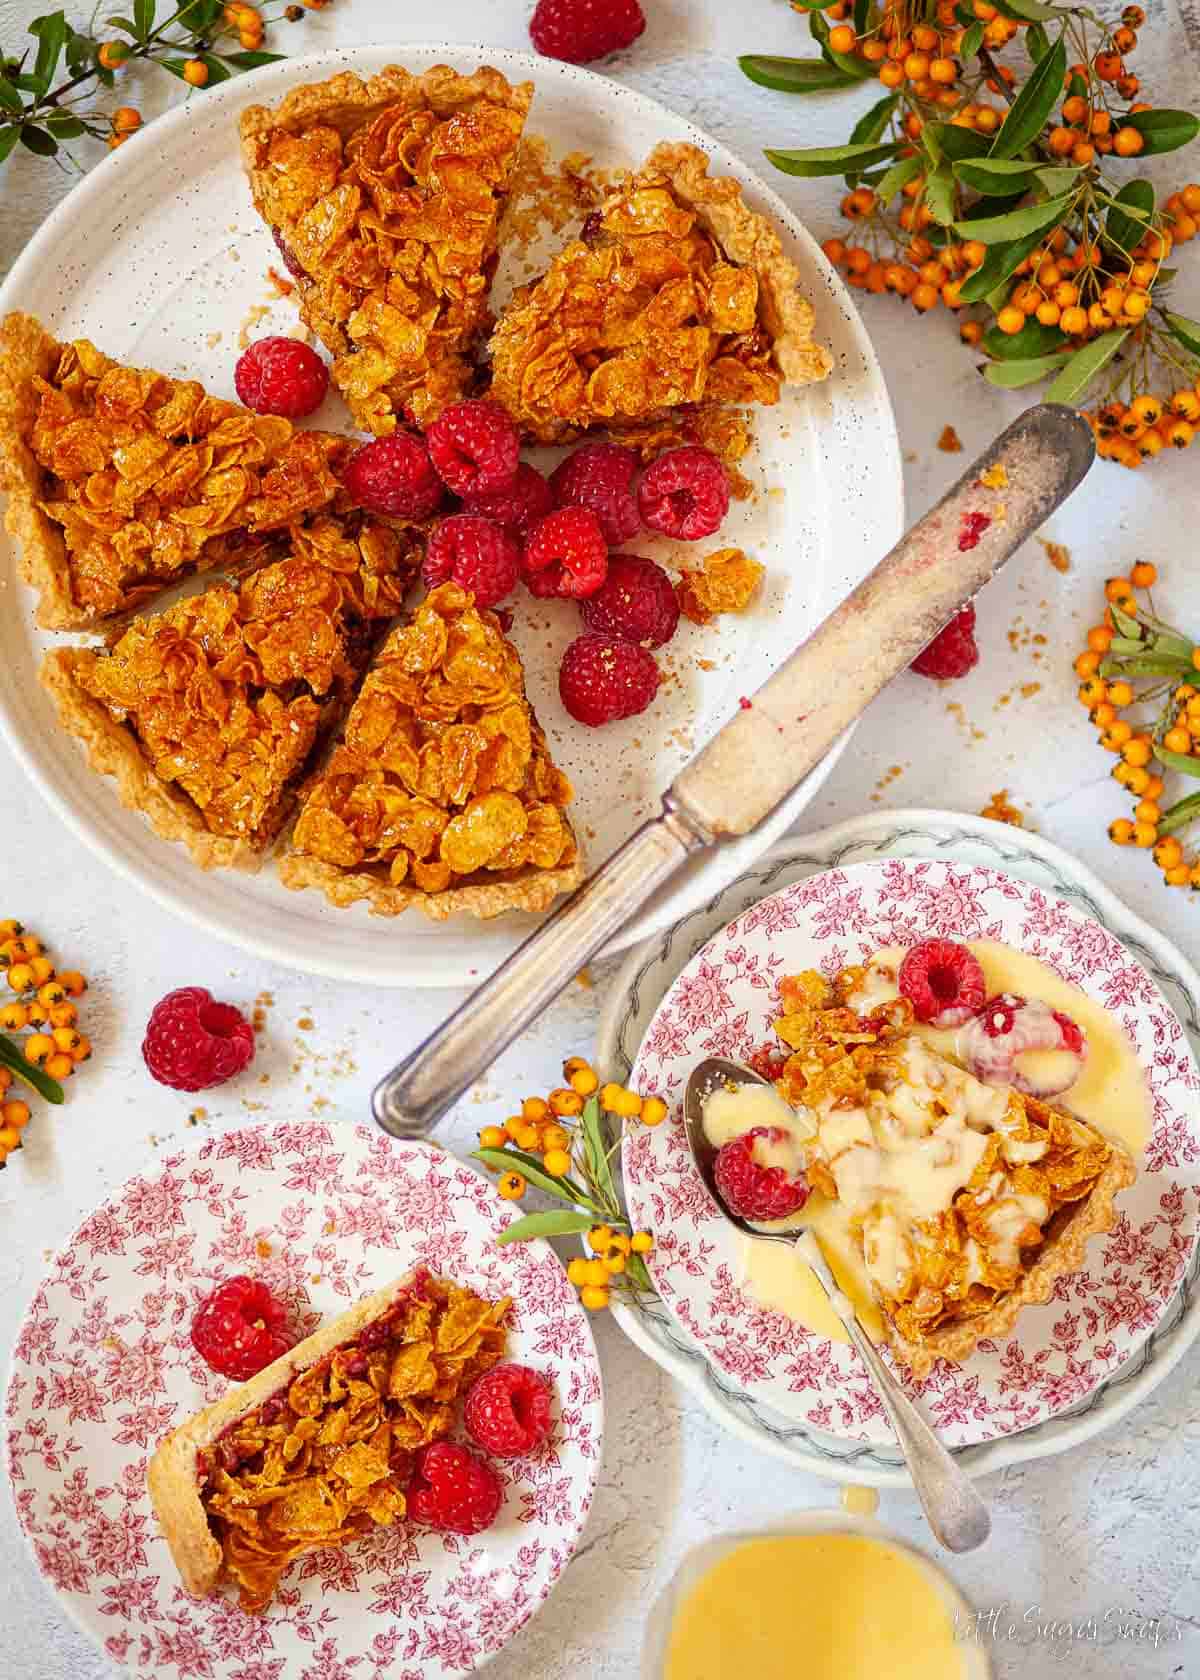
[103,1367]
[723,1003]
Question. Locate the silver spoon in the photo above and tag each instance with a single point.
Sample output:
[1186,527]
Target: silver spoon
[956,1514]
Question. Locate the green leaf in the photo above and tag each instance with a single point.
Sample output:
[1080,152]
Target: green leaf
[1181,815]
[829,160]
[251,60]
[143,18]
[1183,330]
[9,97]
[939,194]
[174,65]
[1126,228]
[1029,11]
[198,15]
[51,32]
[996,267]
[1015,224]
[956,143]
[8,139]
[37,141]
[1028,112]
[552,1223]
[794,75]
[996,177]
[1057,179]
[529,1167]
[862,11]
[1033,340]
[217,72]
[1164,131]
[900,173]
[595,1150]
[871,125]
[1178,761]
[125,24]
[41,1082]
[1085,364]
[818,28]
[1037,42]
[80,50]
[635,1271]
[1010,376]
[971,42]
[63,126]
[1077,86]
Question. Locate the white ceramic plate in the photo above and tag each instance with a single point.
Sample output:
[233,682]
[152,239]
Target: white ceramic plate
[103,1367]
[1080,1375]
[158,256]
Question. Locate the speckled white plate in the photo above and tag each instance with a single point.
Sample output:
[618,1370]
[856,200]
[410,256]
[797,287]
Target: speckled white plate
[1072,1412]
[158,257]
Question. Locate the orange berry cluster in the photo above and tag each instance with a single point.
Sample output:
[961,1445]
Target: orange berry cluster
[923,55]
[611,1251]
[1144,754]
[1133,432]
[42,1001]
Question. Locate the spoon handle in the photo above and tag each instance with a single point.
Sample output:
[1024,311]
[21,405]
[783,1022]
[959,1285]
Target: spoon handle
[955,1512]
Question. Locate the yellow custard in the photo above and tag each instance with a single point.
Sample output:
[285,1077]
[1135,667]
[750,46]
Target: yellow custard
[823,1606]
[1111,1094]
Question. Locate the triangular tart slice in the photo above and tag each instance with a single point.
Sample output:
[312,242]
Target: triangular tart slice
[441,793]
[675,295]
[208,715]
[384,198]
[122,481]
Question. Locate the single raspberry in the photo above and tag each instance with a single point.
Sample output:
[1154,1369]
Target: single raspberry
[281,376]
[684,494]
[600,476]
[192,1043]
[475,448]
[568,549]
[997,1044]
[943,981]
[754,1191]
[952,652]
[583,30]
[477,554]
[637,600]
[240,1328]
[454,1490]
[394,476]
[507,1410]
[602,679]
[519,505]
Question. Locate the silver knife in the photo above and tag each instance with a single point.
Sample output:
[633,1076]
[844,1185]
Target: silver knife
[766,748]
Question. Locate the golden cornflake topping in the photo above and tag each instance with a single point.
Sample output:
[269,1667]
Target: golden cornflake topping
[728,583]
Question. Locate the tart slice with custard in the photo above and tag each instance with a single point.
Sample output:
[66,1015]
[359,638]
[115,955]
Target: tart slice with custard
[122,481]
[385,198]
[441,793]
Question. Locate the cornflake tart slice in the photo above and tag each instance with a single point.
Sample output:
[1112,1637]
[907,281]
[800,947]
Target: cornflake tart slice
[969,1201]
[384,198]
[122,481]
[209,714]
[442,793]
[676,293]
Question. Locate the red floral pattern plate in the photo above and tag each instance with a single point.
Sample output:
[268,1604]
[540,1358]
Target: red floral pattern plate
[723,1003]
[104,1366]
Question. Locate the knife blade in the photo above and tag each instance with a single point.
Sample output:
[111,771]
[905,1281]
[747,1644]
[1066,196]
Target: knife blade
[772,741]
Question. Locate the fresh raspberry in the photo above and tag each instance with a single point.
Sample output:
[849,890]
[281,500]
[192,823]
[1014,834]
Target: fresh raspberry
[952,652]
[281,376]
[567,554]
[240,1328]
[583,30]
[751,1190]
[192,1043]
[1009,1027]
[475,448]
[518,506]
[507,1411]
[684,494]
[943,981]
[394,476]
[637,601]
[454,1490]
[600,476]
[602,679]
[477,554]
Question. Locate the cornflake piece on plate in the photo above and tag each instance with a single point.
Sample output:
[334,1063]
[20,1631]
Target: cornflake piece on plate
[441,793]
[384,198]
[728,583]
[122,481]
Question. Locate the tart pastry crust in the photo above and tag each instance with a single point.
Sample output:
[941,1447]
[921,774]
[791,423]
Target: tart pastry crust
[385,197]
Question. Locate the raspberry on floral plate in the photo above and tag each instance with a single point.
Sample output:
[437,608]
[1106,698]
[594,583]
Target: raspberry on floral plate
[308,1218]
[1018,989]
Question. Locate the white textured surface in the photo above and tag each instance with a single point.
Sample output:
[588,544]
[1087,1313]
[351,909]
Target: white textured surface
[1113,1526]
